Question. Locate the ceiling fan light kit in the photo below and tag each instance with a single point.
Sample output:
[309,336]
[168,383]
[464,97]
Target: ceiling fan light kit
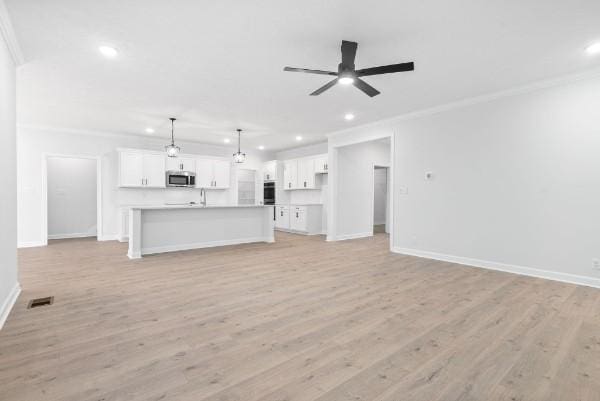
[347,74]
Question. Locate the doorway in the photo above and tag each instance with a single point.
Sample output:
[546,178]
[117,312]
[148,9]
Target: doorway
[380,200]
[72,193]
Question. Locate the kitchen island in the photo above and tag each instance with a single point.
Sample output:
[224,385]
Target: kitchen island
[168,228]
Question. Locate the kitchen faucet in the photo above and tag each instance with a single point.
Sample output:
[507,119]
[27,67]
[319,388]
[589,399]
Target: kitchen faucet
[203,196]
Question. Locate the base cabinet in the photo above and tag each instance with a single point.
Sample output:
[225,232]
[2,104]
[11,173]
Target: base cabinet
[302,219]
[282,217]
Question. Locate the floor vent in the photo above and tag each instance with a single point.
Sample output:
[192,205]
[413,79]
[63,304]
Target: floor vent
[34,303]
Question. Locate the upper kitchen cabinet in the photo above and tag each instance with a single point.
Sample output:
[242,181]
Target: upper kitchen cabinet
[215,174]
[270,171]
[321,164]
[306,173]
[181,163]
[290,174]
[139,169]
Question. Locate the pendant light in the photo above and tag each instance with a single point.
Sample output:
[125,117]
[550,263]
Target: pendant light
[239,157]
[172,149]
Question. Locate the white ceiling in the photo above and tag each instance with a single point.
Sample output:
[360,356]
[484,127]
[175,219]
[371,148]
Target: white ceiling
[218,65]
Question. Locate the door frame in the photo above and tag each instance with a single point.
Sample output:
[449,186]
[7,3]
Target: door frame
[98,159]
[388,208]
[332,153]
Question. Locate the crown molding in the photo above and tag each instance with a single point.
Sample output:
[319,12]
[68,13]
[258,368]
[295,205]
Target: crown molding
[9,35]
[519,90]
[107,134]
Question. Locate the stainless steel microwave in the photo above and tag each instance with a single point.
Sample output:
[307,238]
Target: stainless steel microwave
[175,178]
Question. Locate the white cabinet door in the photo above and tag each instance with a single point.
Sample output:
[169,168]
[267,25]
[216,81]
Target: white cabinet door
[290,174]
[181,164]
[306,174]
[222,174]
[282,217]
[131,169]
[321,165]
[270,171]
[298,219]
[204,173]
[154,170]
[188,164]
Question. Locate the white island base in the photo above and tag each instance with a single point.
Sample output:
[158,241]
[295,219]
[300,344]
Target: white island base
[157,229]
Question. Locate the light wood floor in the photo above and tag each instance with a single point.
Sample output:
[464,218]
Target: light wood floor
[300,319]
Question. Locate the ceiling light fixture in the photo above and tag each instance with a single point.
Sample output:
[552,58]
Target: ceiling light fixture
[261,147]
[150,130]
[172,150]
[349,116]
[298,138]
[226,140]
[594,48]
[238,156]
[108,52]
[347,80]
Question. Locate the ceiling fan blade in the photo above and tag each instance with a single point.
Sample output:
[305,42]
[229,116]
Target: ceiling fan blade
[386,69]
[365,87]
[324,87]
[292,69]
[348,53]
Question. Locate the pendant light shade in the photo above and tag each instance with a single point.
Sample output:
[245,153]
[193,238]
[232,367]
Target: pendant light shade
[172,150]
[238,156]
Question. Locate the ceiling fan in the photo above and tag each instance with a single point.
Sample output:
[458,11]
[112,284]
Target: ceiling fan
[347,74]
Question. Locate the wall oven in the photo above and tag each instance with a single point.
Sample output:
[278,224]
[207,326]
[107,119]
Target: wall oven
[269,193]
[185,179]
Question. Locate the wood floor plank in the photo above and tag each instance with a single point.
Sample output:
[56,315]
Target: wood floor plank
[297,320]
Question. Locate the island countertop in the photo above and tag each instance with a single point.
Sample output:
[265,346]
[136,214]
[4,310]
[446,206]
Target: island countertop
[193,206]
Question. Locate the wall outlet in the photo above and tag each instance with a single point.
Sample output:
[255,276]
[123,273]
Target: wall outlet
[596,264]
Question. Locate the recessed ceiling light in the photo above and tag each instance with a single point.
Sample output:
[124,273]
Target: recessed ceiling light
[108,52]
[349,116]
[150,130]
[298,138]
[226,140]
[346,80]
[261,147]
[594,48]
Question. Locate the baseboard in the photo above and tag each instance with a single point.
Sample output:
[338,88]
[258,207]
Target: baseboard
[9,303]
[30,244]
[211,244]
[522,270]
[68,236]
[352,236]
[108,237]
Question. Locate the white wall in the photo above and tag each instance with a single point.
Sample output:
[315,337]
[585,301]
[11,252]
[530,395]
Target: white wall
[380,196]
[71,197]
[34,142]
[354,199]
[9,287]
[516,181]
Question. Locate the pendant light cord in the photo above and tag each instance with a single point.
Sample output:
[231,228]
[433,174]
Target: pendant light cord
[172,135]
[239,139]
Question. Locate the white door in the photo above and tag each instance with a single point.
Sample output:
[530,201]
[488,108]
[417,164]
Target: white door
[222,174]
[282,217]
[290,174]
[204,173]
[154,170]
[131,166]
[298,219]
